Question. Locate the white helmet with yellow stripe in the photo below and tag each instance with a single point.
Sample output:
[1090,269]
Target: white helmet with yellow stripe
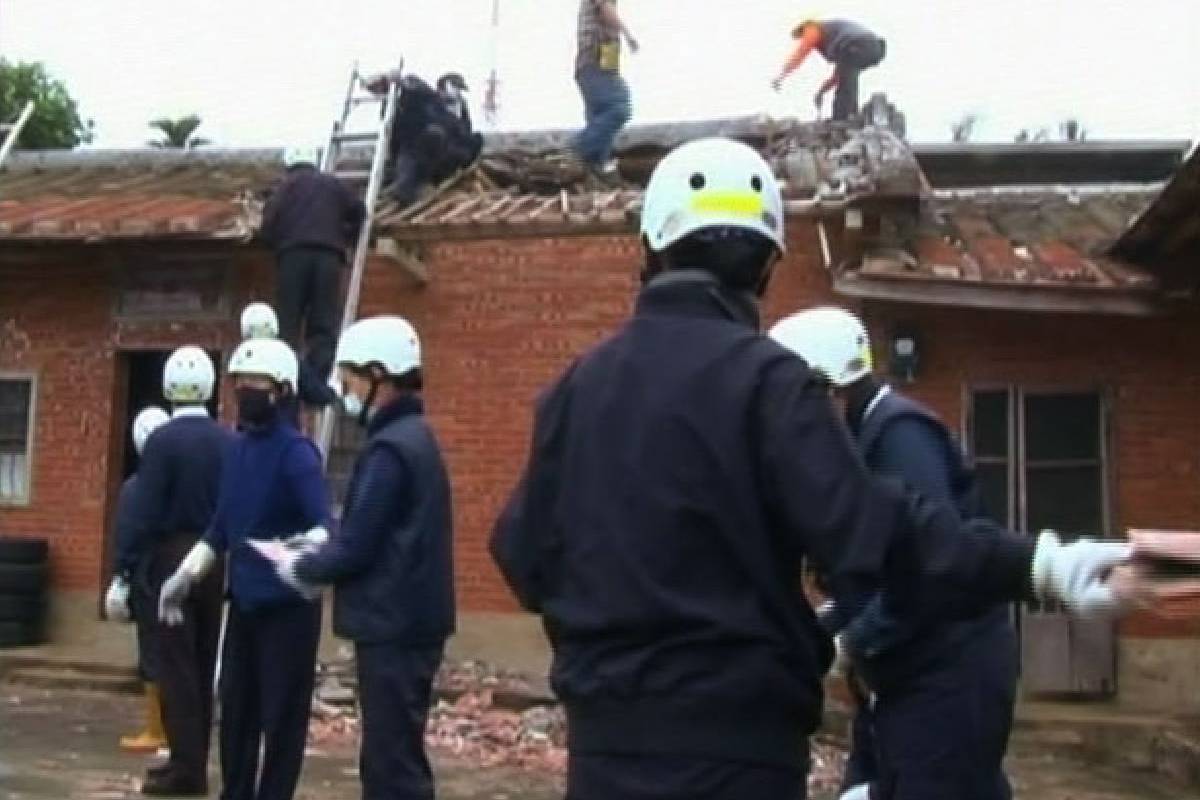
[833,341]
[711,183]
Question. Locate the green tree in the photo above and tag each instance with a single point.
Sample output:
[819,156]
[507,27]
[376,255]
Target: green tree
[56,122]
[178,134]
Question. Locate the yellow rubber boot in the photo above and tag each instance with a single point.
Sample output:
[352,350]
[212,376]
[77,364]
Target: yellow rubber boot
[153,737]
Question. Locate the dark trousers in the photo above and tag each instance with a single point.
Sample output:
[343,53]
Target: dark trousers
[857,57]
[143,604]
[267,674]
[946,739]
[307,295]
[661,777]
[187,657]
[395,683]
[606,109]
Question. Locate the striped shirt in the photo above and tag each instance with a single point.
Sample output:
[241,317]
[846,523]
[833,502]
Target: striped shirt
[599,44]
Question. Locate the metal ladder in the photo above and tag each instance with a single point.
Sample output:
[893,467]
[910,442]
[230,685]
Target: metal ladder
[331,163]
[13,131]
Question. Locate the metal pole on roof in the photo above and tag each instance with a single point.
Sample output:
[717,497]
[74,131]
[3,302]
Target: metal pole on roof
[491,98]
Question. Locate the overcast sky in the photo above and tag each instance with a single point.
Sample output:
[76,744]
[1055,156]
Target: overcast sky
[272,72]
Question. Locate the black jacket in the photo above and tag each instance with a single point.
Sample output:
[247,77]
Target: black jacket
[392,559]
[678,476]
[900,437]
[311,209]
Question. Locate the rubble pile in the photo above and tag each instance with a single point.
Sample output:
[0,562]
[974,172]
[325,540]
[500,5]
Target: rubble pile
[493,717]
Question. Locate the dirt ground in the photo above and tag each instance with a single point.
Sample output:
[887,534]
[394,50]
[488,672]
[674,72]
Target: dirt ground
[62,746]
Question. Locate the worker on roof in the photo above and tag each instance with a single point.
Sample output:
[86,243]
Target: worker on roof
[961,673]
[391,560]
[176,497]
[850,47]
[431,136]
[272,488]
[129,596]
[606,102]
[309,221]
[679,474]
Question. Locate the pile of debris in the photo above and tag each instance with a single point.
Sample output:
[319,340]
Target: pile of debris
[492,717]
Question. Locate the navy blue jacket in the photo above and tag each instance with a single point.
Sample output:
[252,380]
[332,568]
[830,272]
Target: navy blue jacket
[678,476]
[180,473]
[392,557]
[900,437]
[272,487]
[127,559]
[311,209]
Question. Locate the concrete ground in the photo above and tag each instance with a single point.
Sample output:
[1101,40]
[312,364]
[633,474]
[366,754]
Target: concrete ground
[57,745]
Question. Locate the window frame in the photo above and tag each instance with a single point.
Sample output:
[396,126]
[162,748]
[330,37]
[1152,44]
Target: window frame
[1018,484]
[31,377]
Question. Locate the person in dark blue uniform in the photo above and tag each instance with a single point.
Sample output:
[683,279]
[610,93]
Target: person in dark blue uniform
[962,673]
[679,475]
[128,597]
[176,496]
[272,487]
[392,558]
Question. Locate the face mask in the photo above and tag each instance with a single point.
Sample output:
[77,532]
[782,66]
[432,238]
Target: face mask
[255,407]
[358,408]
[352,404]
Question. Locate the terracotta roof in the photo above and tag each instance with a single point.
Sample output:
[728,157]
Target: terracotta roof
[500,213]
[100,195]
[1023,248]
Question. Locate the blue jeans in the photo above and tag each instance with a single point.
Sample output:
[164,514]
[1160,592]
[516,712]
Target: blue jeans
[606,108]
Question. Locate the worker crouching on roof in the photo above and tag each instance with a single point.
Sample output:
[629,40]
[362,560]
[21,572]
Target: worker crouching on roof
[679,475]
[272,488]
[431,137]
[963,674]
[850,47]
[391,559]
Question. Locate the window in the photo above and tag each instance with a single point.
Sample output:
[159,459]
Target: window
[16,424]
[1040,458]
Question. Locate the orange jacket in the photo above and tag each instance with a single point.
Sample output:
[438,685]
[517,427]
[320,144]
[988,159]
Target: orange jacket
[810,39]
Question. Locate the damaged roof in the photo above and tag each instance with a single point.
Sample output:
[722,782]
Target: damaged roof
[136,194]
[1013,248]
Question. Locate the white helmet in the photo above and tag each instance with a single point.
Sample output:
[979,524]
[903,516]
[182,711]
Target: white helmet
[294,156]
[711,183]
[145,423]
[390,342]
[271,358]
[188,376]
[259,322]
[833,341]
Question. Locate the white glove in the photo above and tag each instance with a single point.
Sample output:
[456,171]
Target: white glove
[284,559]
[308,541]
[860,792]
[176,588]
[1076,574]
[841,656]
[116,600]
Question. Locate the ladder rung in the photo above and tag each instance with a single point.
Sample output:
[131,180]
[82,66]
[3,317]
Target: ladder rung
[363,99]
[6,126]
[355,137]
[353,174]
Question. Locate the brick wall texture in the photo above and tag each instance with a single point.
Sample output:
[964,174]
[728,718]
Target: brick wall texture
[500,319]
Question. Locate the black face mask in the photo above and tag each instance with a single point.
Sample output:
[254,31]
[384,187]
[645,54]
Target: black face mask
[256,408]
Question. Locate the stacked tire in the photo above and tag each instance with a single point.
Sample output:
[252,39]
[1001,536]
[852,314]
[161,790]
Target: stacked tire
[24,583]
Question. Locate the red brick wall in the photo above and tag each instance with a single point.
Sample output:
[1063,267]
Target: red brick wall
[56,320]
[500,319]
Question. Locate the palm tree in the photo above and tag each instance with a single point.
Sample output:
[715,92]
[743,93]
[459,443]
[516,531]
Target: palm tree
[178,134]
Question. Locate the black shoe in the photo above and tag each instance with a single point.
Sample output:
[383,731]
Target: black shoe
[170,783]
